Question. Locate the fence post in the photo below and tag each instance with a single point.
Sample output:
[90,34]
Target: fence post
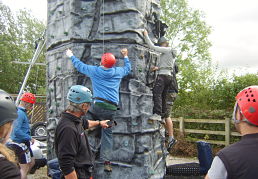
[227,131]
[181,126]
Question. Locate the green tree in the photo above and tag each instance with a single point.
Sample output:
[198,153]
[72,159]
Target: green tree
[225,90]
[18,35]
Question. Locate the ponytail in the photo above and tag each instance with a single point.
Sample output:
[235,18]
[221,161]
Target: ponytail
[7,153]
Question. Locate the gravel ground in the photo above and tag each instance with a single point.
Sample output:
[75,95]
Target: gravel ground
[40,174]
[178,160]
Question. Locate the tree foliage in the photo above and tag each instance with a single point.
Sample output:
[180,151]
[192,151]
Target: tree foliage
[18,34]
[189,33]
[202,85]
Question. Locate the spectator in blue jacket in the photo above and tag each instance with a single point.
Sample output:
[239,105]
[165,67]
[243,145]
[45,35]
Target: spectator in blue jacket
[105,80]
[21,138]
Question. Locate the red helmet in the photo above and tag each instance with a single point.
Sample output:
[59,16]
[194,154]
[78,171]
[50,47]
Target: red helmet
[108,60]
[247,100]
[29,98]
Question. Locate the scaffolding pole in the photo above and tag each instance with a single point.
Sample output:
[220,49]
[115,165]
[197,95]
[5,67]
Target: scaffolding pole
[32,62]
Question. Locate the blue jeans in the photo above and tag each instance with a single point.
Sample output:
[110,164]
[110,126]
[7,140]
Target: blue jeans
[54,169]
[106,147]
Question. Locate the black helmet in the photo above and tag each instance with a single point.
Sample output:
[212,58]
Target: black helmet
[8,110]
[162,40]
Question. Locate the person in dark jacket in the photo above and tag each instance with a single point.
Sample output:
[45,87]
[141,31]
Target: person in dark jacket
[21,136]
[71,143]
[8,111]
[240,160]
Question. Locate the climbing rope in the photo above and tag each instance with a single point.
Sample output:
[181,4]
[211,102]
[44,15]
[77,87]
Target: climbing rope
[103,22]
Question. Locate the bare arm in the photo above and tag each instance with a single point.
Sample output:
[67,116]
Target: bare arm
[217,170]
[71,175]
[103,124]
[207,177]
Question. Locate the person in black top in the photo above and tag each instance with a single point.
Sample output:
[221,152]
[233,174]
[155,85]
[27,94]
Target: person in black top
[8,111]
[71,143]
[240,160]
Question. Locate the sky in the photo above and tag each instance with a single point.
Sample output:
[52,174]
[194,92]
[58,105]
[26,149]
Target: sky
[234,32]
[234,25]
[38,7]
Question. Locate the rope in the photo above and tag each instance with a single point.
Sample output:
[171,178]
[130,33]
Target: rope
[103,40]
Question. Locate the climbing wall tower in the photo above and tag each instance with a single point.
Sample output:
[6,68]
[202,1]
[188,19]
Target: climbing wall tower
[89,28]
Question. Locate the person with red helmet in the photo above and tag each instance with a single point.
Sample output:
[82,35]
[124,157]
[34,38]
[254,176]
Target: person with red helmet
[20,137]
[106,81]
[240,160]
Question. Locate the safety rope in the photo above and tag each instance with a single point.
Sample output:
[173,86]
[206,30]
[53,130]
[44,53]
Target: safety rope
[103,22]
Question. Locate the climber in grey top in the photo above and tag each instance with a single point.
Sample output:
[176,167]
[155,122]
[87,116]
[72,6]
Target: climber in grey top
[167,56]
[162,84]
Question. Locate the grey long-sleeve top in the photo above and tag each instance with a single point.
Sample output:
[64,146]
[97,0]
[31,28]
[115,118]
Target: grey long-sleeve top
[167,57]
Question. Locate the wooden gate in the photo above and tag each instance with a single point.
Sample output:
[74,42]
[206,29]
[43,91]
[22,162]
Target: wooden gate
[38,113]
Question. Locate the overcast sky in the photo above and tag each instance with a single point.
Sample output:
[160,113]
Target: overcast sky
[234,29]
[234,32]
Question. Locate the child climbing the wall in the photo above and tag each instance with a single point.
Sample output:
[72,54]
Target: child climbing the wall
[106,81]
[161,87]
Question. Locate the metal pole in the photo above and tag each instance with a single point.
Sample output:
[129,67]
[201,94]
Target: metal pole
[35,57]
[28,63]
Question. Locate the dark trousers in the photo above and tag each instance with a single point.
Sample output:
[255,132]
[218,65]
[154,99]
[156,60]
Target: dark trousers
[160,92]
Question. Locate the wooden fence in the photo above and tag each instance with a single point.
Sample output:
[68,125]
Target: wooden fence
[38,113]
[227,132]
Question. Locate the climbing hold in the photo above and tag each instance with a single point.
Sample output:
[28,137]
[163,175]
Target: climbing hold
[159,152]
[150,121]
[151,171]
[106,28]
[130,22]
[126,144]
[134,123]
[141,56]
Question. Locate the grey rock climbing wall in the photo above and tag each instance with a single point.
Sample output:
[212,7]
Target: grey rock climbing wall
[90,28]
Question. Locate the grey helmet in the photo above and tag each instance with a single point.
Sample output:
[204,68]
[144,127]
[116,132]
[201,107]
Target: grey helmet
[162,40]
[8,109]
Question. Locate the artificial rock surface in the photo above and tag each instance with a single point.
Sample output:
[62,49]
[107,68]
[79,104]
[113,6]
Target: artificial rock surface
[90,28]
